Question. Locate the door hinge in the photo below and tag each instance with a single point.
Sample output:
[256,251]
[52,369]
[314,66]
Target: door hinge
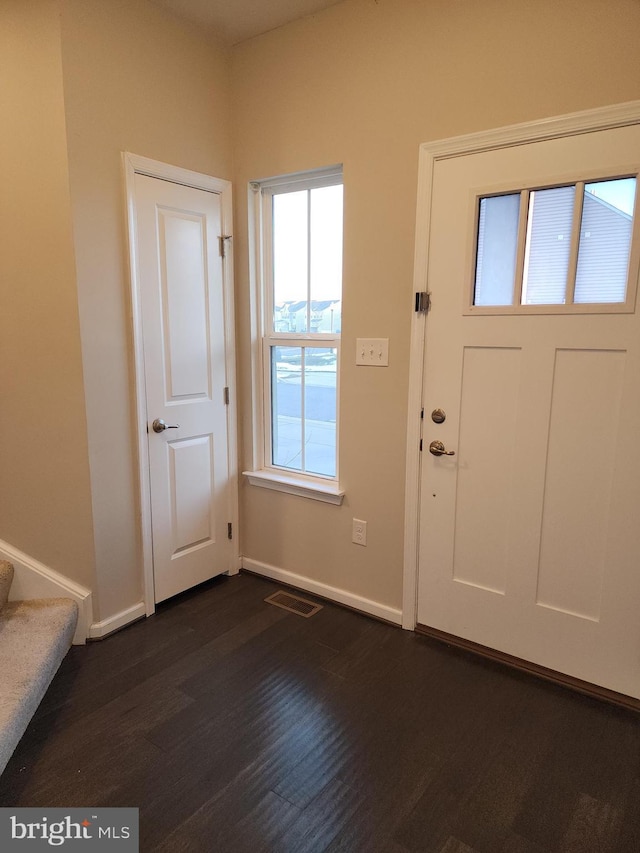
[222,244]
[423,302]
[420,445]
[229,530]
[226,396]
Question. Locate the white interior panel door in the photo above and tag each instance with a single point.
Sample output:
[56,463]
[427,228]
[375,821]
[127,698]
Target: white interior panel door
[183,319]
[529,534]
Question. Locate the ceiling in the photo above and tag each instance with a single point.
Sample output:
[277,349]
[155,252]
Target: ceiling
[237,20]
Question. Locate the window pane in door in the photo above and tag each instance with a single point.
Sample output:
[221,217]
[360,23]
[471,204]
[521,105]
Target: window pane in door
[290,261]
[548,246]
[286,407]
[497,248]
[320,410]
[605,241]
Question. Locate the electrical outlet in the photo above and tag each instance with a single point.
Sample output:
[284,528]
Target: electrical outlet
[372,351]
[359,532]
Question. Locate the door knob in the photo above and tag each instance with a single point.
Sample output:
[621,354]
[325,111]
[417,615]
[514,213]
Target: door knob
[438,449]
[159,425]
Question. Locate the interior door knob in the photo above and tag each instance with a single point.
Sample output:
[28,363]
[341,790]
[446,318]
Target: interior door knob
[438,449]
[159,425]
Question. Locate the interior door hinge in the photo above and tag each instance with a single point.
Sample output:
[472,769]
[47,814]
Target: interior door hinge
[230,530]
[226,396]
[420,445]
[222,244]
[423,302]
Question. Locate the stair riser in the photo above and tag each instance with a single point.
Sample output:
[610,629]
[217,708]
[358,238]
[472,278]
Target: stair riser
[6,577]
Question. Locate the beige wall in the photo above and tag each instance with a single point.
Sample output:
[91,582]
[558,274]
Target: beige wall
[45,506]
[364,83]
[138,80]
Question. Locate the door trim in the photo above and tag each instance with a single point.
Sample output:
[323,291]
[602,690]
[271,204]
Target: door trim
[572,124]
[134,164]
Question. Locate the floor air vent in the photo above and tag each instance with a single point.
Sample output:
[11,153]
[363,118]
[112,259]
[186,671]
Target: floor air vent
[294,604]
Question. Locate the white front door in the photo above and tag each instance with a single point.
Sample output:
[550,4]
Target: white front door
[529,534]
[180,278]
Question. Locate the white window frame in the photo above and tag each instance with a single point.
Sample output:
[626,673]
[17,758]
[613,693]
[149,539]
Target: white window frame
[263,473]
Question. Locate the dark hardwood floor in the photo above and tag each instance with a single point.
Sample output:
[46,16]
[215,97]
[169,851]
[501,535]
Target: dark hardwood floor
[235,726]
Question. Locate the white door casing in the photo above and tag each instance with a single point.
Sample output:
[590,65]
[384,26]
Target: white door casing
[546,473]
[182,301]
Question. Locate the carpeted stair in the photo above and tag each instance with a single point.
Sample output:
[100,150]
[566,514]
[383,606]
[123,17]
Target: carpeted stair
[35,636]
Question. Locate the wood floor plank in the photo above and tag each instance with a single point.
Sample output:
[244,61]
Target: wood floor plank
[571,768]
[452,845]
[594,828]
[255,749]
[494,799]
[238,828]
[326,818]
[514,843]
[391,784]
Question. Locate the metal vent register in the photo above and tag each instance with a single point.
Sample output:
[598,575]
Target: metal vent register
[293,603]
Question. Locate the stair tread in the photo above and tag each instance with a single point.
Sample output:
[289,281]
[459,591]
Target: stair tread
[35,635]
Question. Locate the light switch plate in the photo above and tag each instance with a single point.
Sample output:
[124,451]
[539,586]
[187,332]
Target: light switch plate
[372,351]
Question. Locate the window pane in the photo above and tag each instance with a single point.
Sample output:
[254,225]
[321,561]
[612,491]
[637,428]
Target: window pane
[497,248]
[320,410]
[605,241]
[304,437]
[290,261]
[325,262]
[548,246]
[286,407]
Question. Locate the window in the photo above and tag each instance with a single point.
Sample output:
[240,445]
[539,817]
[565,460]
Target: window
[298,244]
[566,246]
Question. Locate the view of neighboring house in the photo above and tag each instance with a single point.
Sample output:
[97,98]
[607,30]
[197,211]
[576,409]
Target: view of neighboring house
[326,316]
[604,251]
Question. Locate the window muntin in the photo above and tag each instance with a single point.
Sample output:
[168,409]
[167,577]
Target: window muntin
[302,290]
[573,246]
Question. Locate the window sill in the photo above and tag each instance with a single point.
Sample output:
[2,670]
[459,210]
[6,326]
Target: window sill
[316,490]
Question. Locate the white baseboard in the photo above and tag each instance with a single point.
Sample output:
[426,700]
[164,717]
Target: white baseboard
[357,602]
[32,579]
[118,620]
